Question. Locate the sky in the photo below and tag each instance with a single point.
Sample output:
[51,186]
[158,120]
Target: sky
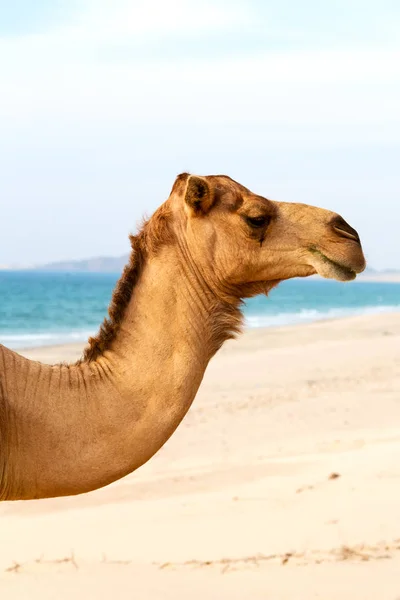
[104,102]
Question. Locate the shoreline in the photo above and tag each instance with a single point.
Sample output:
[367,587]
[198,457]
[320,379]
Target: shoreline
[295,304]
[71,351]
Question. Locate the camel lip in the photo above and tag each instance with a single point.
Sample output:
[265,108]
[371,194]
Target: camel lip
[346,272]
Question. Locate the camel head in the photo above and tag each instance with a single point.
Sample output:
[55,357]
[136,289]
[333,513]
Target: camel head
[245,244]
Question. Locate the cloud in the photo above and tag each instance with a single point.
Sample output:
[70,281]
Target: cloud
[287,90]
[89,109]
[105,19]
[116,60]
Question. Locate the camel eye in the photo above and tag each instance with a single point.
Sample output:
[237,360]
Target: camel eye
[258,222]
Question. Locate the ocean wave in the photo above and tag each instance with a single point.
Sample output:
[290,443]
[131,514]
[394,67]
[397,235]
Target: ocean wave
[50,338]
[20,340]
[311,315]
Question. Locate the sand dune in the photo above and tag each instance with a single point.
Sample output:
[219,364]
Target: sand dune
[283,482]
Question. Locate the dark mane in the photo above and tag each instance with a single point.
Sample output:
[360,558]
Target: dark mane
[154,233]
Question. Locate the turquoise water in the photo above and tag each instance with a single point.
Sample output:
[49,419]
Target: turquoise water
[50,308]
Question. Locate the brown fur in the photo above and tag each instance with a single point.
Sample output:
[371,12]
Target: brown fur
[153,234]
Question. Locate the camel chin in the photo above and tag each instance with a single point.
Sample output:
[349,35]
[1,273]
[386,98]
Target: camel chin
[338,273]
[329,269]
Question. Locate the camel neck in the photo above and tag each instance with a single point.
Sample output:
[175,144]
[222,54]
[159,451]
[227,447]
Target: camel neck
[169,332]
[168,315]
[173,299]
[100,420]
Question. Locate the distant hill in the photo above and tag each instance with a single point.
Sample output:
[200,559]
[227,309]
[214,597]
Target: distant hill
[99,264]
[387,275]
[115,264]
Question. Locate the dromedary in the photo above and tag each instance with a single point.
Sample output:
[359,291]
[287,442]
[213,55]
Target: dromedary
[69,429]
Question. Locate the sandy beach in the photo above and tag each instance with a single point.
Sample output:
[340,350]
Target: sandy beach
[282,482]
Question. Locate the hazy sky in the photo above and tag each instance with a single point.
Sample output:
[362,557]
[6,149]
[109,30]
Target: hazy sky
[104,102]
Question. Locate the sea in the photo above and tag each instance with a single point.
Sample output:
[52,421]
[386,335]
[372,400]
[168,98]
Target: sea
[44,308]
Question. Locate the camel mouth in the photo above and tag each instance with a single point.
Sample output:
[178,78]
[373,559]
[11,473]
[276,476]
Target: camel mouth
[330,269]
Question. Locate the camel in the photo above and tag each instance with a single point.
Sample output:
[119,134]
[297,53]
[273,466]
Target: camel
[68,429]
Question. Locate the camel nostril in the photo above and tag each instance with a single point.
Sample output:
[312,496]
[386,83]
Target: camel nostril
[342,228]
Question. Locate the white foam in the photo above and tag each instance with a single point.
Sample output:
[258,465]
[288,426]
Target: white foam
[29,340]
[311,315]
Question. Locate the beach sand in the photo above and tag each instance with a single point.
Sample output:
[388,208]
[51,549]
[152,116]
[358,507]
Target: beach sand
[282,482]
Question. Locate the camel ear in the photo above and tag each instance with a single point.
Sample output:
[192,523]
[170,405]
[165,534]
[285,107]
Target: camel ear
[199,195]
